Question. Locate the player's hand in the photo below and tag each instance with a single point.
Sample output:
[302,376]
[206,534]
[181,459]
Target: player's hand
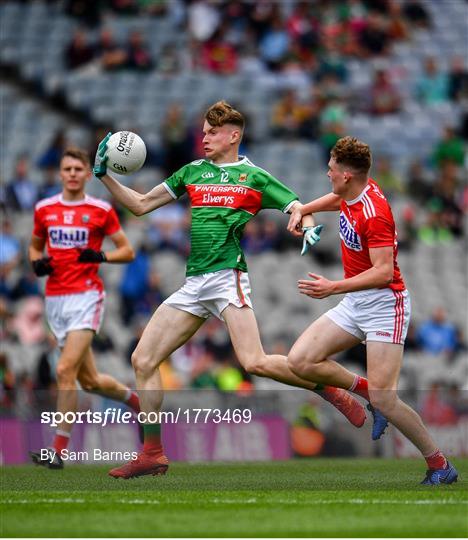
[311,237]
[318,287]
[91,256]
[100,161]
[295,219]
[42,267]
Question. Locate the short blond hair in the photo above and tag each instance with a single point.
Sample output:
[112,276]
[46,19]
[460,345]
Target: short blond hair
[353,153]
[77,153]
[221,113]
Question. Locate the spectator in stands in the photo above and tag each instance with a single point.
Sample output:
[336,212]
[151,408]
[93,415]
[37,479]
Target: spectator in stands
[111,55]
[203,372]
[26,285]
[389,180]
[79,51]
[397,28]
[436,410]
[374,39]
[10,253]
[134,283]
[218,55]
[21,191]
[261,16]
[124,7]
[50,158]
[435,230]
[384,97]
[458,80]
[449,148]
[437,335]
[253,241]
[445,190]
[432,86]
[176,140]
[407,231]
[332,124]
[302,26]
[88,13]
[7,383]
[50,185]
[418,184]
[331,62]
[274,44]
[151,298]
[203,19]
[290,117]
[168,229]
[28,323]
[416,14]
[169,60]
[138,55]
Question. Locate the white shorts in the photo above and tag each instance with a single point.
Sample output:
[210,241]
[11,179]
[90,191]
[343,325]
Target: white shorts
[374,315]
[210,294]
[74,312]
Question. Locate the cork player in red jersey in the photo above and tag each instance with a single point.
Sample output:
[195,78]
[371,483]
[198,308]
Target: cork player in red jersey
[72,226]
[376,306]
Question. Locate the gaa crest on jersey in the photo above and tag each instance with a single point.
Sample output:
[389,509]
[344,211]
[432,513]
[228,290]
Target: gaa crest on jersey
[68,237]
[348,235]
[243,177]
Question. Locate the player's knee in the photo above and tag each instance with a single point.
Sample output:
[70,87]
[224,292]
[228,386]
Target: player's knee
[382,399]
[142,364]
[301,366]
[66,375]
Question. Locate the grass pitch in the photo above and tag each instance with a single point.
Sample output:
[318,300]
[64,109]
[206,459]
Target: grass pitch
[300,498]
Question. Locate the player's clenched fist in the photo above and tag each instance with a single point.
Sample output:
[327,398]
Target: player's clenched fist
[42,267]
[91,256]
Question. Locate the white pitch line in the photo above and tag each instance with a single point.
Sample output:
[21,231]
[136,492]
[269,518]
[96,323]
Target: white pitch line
[238,501]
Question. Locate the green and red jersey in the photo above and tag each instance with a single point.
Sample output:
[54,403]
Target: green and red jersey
[223,199]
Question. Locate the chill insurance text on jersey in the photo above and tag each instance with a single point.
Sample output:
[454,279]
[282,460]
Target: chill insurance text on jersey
[67,228]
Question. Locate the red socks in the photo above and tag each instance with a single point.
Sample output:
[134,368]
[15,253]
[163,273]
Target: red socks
[360,387]
[436,460]
[132,400]
[61,440]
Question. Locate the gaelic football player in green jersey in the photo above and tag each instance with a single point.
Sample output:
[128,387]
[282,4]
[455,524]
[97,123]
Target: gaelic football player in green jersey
[225,190]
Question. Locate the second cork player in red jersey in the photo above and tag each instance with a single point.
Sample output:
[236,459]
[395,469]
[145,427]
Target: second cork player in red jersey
[72,227]
[375,309]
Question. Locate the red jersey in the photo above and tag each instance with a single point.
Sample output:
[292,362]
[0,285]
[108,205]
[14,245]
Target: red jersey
[68,227]
[367,222]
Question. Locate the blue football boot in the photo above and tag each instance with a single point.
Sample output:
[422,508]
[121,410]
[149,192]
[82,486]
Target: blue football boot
[380,422]
[435,477]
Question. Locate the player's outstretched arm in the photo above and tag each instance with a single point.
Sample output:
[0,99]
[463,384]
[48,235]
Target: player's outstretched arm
[137,203]
[327,203]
